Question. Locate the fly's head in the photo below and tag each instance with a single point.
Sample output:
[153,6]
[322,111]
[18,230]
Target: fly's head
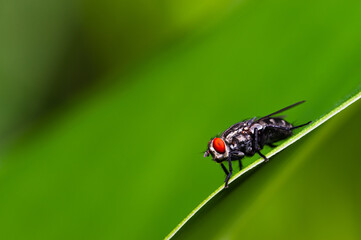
[218,149]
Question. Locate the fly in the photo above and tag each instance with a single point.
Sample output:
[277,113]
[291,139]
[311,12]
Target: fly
[248,138]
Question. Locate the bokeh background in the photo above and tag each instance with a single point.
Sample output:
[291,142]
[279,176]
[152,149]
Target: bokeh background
[107,107]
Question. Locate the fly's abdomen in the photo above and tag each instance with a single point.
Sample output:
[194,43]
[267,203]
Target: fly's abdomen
[275,129]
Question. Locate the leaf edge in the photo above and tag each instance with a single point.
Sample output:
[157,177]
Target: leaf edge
[273,152]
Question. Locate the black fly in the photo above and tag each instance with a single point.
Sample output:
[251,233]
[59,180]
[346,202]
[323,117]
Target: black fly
[249,137]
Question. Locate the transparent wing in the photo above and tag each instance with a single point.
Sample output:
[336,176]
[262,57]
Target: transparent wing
[282,110]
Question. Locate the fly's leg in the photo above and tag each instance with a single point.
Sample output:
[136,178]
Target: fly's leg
[256,145]
[240,164]
[230,172]
[238,155]
[301,125]
[263,156]
[224,169]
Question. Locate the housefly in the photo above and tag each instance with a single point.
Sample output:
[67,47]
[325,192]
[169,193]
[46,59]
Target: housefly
[248,137]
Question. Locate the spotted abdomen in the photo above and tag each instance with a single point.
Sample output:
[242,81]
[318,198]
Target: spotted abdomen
[275,122]
[275,129]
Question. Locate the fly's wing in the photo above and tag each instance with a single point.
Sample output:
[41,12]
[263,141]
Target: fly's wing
[282,110]
[249,122]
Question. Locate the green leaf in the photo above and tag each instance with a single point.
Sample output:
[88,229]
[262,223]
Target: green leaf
[208,219]
[126,163]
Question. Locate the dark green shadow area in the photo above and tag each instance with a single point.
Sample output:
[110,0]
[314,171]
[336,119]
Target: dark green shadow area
[308,191]
[127,163]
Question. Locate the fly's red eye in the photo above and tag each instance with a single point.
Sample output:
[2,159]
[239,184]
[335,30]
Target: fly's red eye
[218,145]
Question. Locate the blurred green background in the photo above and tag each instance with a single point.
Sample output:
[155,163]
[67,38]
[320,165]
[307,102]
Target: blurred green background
[106,107]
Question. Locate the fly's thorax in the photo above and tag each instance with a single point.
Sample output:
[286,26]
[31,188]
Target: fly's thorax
[219,149]
[242,139]
[243,133]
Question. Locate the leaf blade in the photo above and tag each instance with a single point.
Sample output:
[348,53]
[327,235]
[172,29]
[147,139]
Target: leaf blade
[276,150]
